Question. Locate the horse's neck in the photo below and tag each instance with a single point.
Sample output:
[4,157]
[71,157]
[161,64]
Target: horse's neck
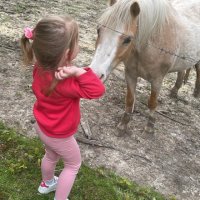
[152,29]
[178,36]
[187,7]
[171,33]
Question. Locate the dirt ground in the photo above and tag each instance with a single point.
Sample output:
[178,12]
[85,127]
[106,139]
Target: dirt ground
[169,160]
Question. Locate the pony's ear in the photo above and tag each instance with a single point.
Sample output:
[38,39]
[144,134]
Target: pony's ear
[111,2]
[135,9]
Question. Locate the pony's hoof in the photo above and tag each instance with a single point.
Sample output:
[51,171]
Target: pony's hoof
[149,130]
[119,133]
[174,93]
[121,130]
[196,94]
[122,127]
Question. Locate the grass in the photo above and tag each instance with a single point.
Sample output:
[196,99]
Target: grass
[20,159]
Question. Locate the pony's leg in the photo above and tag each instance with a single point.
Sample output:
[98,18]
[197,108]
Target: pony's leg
[179,81]
[186,75]
[130,101]
[197,83]
[152,104]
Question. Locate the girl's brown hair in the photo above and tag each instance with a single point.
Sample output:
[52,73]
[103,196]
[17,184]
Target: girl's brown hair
[52,36]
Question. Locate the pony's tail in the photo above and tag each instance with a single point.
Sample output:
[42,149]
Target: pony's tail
[27,51]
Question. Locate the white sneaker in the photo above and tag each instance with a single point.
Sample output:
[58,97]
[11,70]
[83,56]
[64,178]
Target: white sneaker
[55,198]
[45,189]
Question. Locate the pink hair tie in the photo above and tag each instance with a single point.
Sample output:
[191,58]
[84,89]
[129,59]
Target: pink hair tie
[28,32]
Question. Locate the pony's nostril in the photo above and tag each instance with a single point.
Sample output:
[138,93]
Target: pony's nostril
[102,76]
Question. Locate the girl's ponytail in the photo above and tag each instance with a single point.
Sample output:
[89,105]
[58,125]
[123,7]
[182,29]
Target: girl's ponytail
[26,50]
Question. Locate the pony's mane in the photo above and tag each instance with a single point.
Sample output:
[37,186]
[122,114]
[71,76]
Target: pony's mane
[153,15]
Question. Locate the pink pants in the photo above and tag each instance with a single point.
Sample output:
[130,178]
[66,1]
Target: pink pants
[68,150]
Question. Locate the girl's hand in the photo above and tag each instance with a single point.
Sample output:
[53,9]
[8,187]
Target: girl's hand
[66,72]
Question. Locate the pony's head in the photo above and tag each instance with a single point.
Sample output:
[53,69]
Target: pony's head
[116,33]
[127,25]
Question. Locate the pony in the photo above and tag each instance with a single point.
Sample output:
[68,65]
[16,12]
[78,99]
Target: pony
[152,38]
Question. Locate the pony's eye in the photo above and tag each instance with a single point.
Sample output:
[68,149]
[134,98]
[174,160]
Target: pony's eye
[127,40]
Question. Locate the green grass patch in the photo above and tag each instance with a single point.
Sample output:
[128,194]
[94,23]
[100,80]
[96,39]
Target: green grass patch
[20,176]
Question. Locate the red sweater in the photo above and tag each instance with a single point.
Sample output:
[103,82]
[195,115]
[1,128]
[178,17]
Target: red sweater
[58,115]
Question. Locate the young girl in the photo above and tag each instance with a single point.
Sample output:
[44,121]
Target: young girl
[58,87]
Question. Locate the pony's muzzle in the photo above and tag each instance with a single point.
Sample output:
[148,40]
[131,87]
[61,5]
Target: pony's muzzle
[102,77]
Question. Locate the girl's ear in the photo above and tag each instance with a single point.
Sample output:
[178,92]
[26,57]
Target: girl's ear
[67,56]
[65,59]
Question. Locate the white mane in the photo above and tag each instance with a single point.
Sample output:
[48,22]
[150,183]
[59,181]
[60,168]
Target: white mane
[153,15]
